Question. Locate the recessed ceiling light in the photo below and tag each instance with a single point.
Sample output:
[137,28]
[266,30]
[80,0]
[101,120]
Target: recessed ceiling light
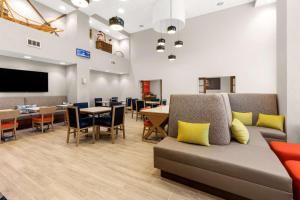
[62,7]
[27,57]
[107,30]
[121,10]
[106,70]
[62,63]
[90,21]
[220,3]
[81,3]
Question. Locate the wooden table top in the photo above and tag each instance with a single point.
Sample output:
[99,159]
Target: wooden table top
[6,110]
[152,102]
[95,110]
[157,110]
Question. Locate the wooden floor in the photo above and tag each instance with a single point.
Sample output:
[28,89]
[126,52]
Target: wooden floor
[43,167]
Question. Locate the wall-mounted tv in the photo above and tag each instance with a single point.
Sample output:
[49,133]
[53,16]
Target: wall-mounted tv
[12,80]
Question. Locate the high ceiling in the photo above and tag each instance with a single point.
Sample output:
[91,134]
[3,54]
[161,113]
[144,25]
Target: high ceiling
[138,13]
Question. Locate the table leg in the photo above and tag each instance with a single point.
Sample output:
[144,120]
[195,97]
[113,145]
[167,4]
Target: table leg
[94,128]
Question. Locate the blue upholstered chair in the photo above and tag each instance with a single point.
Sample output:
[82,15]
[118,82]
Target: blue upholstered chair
[114,99]
[114,120]
[128,103]
[98,102]
[77,124]
[115,103]
[140,104]
[82,105]
[133,107]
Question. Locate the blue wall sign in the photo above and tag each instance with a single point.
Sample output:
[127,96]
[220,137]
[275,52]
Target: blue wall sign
[83,53]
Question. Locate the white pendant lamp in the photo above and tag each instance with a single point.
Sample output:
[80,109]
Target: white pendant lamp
[167,13]
[81,3]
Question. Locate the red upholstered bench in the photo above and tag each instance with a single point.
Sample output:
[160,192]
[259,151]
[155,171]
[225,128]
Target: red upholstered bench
[286,151]
[293,167]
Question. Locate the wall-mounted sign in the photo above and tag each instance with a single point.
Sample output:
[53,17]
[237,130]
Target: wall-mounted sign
[83,53]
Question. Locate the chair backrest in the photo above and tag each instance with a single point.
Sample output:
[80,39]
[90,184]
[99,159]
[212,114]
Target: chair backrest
[133,104]
[114,99]
[164,102]
[118,115]
[73,117]
[115,103]
[9,114]
[128,101]
[47,110]
[82,105]
[140,104]
[98,102]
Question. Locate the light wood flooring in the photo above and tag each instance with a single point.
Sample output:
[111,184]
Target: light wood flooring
[43,167]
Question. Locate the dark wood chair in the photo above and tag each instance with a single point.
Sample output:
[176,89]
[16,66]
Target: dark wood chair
[140,104]
[77,124]
[113,121]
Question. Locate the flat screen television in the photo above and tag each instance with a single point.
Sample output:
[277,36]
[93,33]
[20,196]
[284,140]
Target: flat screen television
[12,80]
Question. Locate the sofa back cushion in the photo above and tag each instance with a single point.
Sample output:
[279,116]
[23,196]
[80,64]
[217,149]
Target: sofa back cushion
[255,103]
[46,100]
[11,102]
[200,109]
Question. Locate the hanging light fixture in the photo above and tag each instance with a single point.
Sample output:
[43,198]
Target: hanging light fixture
[81,3]
[178,44]
[161,41]
[116,23]
[171,29]
[172,57]
[160,48]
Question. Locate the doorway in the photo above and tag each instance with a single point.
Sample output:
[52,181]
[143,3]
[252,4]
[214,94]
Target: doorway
[151,90]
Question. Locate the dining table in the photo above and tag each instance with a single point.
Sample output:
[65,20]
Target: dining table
[95,111]
[159,118]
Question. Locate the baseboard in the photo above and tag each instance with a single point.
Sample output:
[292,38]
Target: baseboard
[202,187]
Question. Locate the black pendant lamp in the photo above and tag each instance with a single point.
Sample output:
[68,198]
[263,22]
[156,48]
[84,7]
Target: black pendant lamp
[178,44]
[81,3]
[172,57]
[116,23]
[160,48]
[171,29]
[161,41]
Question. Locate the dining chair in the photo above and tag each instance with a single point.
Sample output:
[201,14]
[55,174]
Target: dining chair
[164,102]
[113,121]
[78,125]
[46,117]
[8,122]
[140,104]
[128,103]
[114,99]
[98,102]
[133,107]
[82,105]
[115,103]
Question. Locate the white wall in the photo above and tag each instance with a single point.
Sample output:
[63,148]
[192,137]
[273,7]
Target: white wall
[104,85]
[56,75]
[155,88]
[237,42]
[289,65]
[71,81]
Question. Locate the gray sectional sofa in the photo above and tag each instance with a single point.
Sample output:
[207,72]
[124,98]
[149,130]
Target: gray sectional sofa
[249,171]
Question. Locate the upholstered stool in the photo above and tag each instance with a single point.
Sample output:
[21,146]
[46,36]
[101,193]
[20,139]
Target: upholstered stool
[286,151]
[293,167]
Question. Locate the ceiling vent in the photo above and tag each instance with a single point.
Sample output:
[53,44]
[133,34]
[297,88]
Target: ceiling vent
[33,43]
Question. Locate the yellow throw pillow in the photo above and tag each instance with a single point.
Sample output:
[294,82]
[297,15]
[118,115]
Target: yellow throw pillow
[193,133]
[239,131]
[245,118]
[271,121]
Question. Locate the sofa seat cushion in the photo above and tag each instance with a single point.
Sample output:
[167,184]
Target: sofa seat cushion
[270,133]
[286,151]
[293,167]
[251,163]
